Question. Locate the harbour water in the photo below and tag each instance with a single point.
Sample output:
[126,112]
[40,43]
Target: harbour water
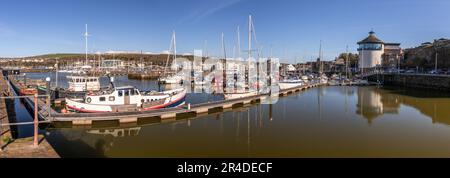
[329,121]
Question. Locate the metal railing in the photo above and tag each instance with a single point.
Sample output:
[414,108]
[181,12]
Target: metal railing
[36,121]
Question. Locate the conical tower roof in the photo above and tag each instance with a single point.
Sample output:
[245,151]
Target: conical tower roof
[371,39]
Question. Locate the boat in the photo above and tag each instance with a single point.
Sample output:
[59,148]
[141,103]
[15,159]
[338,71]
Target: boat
[172,79]
[29,90]
[258,83]
[334,82]
[83,83]
[126,98]
[323,79]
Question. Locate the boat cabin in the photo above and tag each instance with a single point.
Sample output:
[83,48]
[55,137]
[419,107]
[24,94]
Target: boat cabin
[83,83]
[123,96]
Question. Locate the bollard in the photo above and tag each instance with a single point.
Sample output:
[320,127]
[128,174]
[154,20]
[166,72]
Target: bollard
[35,142]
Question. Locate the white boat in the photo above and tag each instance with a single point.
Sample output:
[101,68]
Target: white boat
[334,82]
[83,83]
[290,83]
[324,79]
[120,98]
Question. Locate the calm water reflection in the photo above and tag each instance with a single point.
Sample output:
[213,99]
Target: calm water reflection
[320,122]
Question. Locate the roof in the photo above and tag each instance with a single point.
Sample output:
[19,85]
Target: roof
[371,39]
[392,44]
[125,87]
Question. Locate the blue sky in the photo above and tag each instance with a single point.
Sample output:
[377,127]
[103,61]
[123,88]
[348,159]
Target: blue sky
[292,28]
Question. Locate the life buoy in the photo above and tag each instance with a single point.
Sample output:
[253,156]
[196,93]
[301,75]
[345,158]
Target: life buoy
[88,100]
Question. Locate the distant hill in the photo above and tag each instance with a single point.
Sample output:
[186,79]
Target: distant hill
[70,58]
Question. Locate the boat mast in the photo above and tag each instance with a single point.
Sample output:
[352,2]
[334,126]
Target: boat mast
[320,59]
[224,79]
[86,34]
[346,63]
[249,50]
[172,46]
[238,43]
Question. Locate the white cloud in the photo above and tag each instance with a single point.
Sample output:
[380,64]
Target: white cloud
[200,14]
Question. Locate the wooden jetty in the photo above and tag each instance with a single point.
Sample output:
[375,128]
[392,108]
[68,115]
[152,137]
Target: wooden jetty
[5,130]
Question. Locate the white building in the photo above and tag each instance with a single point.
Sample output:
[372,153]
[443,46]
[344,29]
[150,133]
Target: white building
[371,51]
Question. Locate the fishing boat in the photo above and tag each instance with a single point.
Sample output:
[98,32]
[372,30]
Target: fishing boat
[119,98]
[83,83]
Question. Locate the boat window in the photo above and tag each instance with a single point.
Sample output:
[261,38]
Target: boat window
[102,99]
[127,93]
[136,91]
[112,98]
[120,93]
[83,80]
[132,92]
[78,80]
[148,100]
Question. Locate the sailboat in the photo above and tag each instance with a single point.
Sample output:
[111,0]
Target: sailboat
[176,78]
[245,93]
[290,82]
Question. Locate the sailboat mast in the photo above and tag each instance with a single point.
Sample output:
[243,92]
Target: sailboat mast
[86,34]
[174,46]
[238,42]
[224,79]
[346,63]
[249,50]
[206,49]
[249,38]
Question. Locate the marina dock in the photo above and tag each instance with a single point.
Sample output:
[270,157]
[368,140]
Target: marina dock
[21,147]
[49,115]
[5,130]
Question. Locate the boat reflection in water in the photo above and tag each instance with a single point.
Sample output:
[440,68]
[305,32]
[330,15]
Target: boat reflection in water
[333,121]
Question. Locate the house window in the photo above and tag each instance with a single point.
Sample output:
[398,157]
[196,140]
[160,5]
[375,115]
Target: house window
[102,99]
